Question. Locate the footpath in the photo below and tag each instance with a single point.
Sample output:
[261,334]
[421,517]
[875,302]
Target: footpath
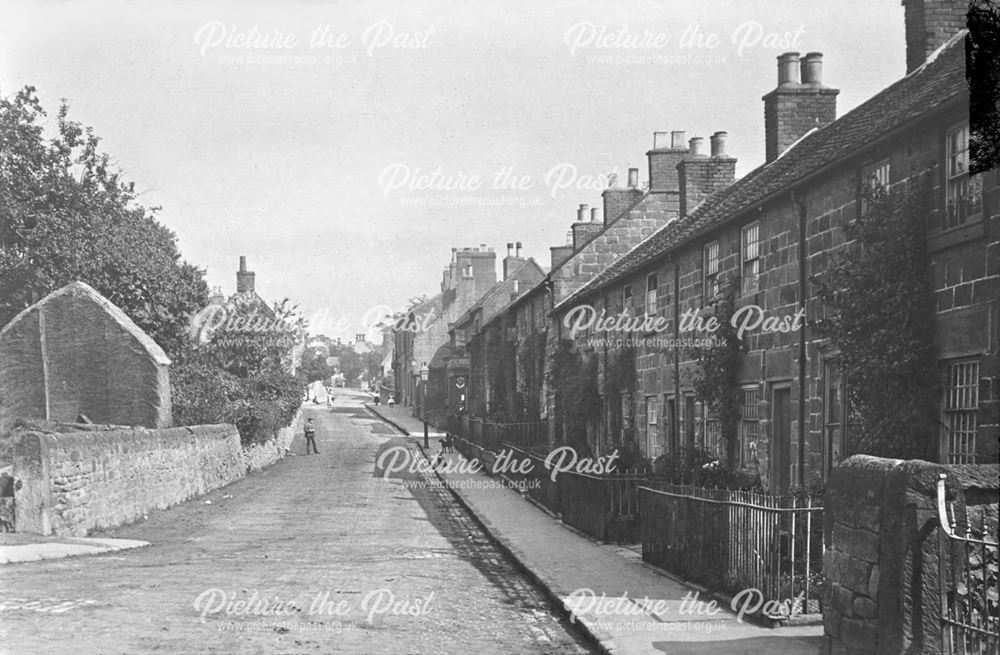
[24,547]
[623,604]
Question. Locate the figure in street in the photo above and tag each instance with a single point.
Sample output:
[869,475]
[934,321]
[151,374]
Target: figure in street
[311,436]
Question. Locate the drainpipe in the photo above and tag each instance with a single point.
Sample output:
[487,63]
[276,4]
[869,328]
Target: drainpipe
[801,206]
[676,418]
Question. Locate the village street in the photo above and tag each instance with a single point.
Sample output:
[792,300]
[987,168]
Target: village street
[331,558]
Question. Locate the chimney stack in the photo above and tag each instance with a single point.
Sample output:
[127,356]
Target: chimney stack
[513,260]
[617,200]
[701,176]
[475,273]
[668,150]
[583,229]
[244,279]
[798,104]
[559,254]
[929,25]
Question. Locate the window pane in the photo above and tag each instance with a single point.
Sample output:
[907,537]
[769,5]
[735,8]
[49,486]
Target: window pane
[961,409]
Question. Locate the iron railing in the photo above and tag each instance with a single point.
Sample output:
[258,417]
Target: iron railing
[605,507]
[967,582]
[737,541]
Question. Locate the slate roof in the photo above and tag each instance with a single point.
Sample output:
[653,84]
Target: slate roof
[937,82]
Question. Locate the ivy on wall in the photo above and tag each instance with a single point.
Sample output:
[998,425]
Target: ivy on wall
[717,382]
[578,400]
[528,388]
[880,315]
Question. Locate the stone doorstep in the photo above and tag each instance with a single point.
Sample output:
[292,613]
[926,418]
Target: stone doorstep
[68,547]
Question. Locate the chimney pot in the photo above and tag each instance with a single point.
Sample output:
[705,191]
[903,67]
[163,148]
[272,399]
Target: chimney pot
[695,146]
[593,214]
[581,214]
[812,69]
[243,263]
[510,246]
[719,144]
[660,140]
[788,68]
[677,139]
[633,178]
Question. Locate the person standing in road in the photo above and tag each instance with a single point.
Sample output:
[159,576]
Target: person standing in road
[311,436]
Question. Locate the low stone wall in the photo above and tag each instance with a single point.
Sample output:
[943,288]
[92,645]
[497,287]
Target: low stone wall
[71,484]
[259,456]
[880,559]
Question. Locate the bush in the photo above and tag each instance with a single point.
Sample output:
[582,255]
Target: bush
[258,406]
[698,467]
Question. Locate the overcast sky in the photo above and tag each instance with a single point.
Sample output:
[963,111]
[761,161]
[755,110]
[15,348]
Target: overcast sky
[304,135]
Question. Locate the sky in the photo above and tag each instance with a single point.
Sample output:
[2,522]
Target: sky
[345,147]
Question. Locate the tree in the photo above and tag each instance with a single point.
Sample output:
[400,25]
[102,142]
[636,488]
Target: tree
[313,366]
[982,53]
[238,368]
[66,215]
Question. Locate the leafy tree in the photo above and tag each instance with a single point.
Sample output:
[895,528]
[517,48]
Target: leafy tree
[246,337]
[66,214]
[982,53]
[238,370]
[313,365]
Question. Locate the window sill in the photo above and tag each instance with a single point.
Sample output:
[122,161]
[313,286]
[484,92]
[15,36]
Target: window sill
[971,229]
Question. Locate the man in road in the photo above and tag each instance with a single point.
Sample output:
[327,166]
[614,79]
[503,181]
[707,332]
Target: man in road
[311,436]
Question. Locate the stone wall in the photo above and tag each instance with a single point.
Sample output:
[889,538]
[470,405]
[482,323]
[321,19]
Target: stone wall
[74,353]
[880,559]
[259,456]
[74,483]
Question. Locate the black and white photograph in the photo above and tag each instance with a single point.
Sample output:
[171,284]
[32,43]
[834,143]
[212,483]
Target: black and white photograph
[453,328]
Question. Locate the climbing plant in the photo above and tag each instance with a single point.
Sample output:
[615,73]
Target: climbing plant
[717,382]
[574,379]
[530,358]
[879,313]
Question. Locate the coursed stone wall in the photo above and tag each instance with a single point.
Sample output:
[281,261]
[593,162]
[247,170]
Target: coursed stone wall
[70,484]
[880,560]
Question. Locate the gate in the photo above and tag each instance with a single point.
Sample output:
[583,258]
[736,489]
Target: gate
[967,581]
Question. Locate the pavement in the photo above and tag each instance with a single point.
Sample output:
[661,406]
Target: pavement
[23,547]
[623,604]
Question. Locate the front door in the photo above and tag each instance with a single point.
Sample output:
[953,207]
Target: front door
[781,442]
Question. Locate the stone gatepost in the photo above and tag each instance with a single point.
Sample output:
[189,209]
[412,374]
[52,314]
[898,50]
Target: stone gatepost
[880,558]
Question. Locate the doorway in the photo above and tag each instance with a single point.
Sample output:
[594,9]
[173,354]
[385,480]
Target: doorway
[781,440]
